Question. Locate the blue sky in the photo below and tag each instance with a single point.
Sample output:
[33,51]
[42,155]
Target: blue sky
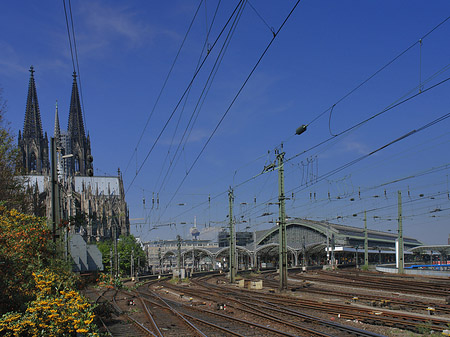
[324,50]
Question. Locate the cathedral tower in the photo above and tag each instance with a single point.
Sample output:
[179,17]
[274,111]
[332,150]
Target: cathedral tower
[80,145]
[32,143]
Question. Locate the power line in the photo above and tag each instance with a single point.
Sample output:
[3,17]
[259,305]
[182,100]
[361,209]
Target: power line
[262,19]
[315,146]
[378,71]
[392,106]
[78,66]
[233,101]
[68,34]
[180,100]
[204,92]
[164,85]
[357,125]
[205,45]
[351,163]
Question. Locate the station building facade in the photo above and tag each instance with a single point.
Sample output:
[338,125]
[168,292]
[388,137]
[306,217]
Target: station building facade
[308,243]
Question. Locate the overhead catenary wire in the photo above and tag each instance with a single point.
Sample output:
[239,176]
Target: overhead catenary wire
[392,106]
[163,86]
[68,35]
[389,108]
[78,65]
[262,19]
[205,45]
[342,132]
[353,162]
[181,99]
[377,72]
[203,94]
[233,101]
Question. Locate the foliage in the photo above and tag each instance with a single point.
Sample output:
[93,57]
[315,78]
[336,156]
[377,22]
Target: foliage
[125,245]
[25,246]
[364,268]
[12,190]
[37,296]
[57,310]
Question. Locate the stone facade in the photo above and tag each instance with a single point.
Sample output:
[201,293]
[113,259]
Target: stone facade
[94,207]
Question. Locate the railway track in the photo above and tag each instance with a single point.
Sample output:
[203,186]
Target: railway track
[386,302]
[403,285]
[224,323]
[297,322]
[118,323]
[368,315]
[166,309]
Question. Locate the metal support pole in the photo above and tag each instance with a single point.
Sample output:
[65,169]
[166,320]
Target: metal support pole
[137,268]
[179,256]
[116,253]
[401,262]
[255,260]
[366,243]
[118,265]
[54,190]
[132,264]
[304,253]
[328,246]
[111,262]
[160,260]
[232,255]
[282,224]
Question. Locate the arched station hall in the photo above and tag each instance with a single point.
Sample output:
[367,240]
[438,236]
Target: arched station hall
[307,245]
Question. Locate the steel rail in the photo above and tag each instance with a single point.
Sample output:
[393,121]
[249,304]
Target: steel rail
[248,323]
[197,330]
[140,326]
[395,318]
[150,317]
[337,326]
[310,318]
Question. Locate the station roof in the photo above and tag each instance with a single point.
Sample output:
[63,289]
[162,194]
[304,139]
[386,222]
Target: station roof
[339,231]
[431,248]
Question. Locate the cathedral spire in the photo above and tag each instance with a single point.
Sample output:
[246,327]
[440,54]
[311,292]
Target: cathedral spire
[80,147]
[76,126]
[33,145]
[57,131]
[32,127]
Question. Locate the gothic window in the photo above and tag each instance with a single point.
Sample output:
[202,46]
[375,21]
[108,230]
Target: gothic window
[33,162]
[77,163]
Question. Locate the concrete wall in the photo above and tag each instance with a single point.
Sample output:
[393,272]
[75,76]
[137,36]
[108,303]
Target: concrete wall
[424,272]
[86,257]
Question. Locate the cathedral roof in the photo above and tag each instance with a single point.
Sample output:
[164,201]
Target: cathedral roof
[32,127]
[106,186]
[76,126]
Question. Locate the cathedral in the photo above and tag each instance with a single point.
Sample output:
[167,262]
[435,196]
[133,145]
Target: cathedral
[93,206]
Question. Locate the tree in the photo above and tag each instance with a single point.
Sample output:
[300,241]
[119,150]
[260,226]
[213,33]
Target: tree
[12,187]
[125,246]
[25,246]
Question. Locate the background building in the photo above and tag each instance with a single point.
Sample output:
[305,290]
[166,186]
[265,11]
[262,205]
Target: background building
[94,207]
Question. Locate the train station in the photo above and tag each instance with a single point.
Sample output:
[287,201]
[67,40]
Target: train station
[309,243]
